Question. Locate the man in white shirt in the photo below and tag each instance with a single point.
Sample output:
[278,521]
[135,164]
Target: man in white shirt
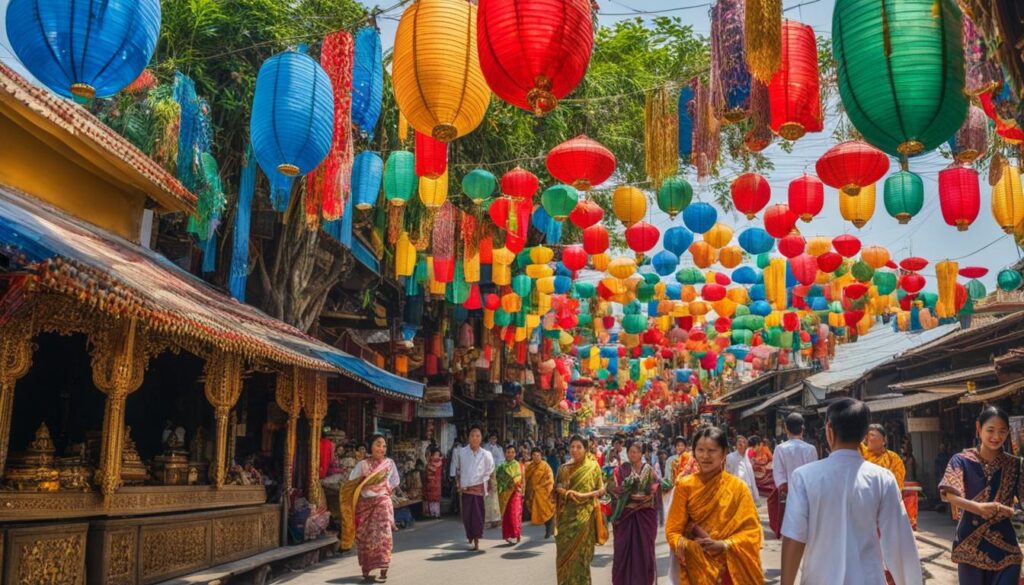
[788,457]
[845,517]
[739,465]
[475,465]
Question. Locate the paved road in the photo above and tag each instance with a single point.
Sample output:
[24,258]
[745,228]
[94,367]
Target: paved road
[434,553]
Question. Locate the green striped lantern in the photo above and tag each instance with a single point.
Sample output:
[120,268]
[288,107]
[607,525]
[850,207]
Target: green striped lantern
[904,195]
[1008,280]
[479,185]
[559,201]
[674,195]
[901,71]
[400,181]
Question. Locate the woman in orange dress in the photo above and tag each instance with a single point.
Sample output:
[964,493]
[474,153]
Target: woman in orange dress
[761,459]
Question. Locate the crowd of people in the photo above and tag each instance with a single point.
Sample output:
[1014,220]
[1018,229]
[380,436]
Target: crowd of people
[841,518]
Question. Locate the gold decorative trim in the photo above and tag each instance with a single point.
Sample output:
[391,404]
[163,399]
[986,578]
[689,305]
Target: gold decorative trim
[223,387]
[15,360]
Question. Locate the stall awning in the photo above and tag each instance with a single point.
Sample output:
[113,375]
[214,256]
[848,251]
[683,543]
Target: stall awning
[64,255]
[910,400]
[947,378]
[435,410]
[779,396]
[993,393]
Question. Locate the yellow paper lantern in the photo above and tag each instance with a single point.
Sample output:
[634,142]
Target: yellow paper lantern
[818,245]
[629,204]
[875,256]
[600,261]
[629,340]
[704,255]
[501,266]
[539,270]
[433,286]
[773,319]
[521,333]
[725,307]
[858,209]
[836,320]
[665,307]
[546,285]
[659,291]
[730,256]
[471,266]
[719,235]
[543,303]
[1008,199]
[738,295]
[664,323]
[699,308]
[488,319]
[436,74]
[622,267]
[946,273]
[775,283]
[405,256]
[541,254]
[434,192]
[680,310]
[565,338]
[615,285]
[822,277]
[532,321]
[688,293]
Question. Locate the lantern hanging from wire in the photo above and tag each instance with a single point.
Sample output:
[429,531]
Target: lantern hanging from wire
[971,141]
[436,74]
[779,220]
[595,239]
[851,165]
[903,195]
[959,196]
[479,185]
[794,92]
[629,204]
[806,195]
[434,192]
[84,49]
[400,177]
[586,214]
[534,53]
[367,80]
[661,149]
[677,239]
[1009,280]
[762,34]
[641,237]
[858,209]
[367,170]
[1008,199]
[519,183]
[901,71]
[559,201]
[730,77]
[750,193]
[755,241]
[332,180]
[846,245]
[699,217]
[581,162]
[431,156]
[292,123]
[674,195]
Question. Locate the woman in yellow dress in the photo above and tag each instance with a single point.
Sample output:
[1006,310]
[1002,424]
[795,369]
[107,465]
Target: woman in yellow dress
[580,522]
[540,486]
[712,527]
[874,451]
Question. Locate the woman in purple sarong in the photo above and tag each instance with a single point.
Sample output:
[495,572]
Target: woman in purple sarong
[633,486]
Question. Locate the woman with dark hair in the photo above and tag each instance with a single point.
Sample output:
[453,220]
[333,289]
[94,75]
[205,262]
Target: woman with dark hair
[432,484]
[509,479]
[712,527]
[580,522]
[368,516]
[874,450]
[540,485]
[981,485]
[761,460]
[633,486]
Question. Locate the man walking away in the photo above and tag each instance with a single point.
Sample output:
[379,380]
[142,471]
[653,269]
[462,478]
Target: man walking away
[788,457]
[845,516]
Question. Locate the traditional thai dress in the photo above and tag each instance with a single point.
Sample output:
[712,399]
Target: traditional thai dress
[635,524]
[432,487]
[368,516]
[723,508]
[580,524]
[986,551]
[509,477]
[540,484]
[761,460]
[889,460]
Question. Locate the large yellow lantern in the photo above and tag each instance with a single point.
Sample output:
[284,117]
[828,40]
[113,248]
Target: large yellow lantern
[718,236]
[629,204]
[1008,199]
[858,209]
[622,267]
[730,256]
[946,272]
[434,192]
[436,69]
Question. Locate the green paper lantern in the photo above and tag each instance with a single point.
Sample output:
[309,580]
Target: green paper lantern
[502,318]
[522,285]
[901,71]
[651,278]
[741,310]
[862,271]
[928,298]
[400,181]
[675,194]
[763,260]
[843,269]
[976,290]
[457,290]
[690,275]
[904,195]
[479,185]
[742,336]
[584,290]
[559,201]
[634,324]
[645,292]
[885,281]
[523,258]
[632,308]
[1009,280]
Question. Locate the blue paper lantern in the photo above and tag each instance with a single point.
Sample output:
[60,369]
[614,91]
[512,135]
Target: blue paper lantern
[700,217]
[757,293]
[756,241]
[367,79]
[685,122]
[818,303]
[760,308]
[677,240]
[745,275]
[367,171]
[665,262]
[87,48]
[292,124]
[562,284]
[673,291]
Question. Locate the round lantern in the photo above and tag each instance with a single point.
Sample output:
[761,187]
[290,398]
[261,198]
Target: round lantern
[903,195]
[756,241]
[719,235]
[400,177]
[479,185]
[641,237]
[367,170]
[792,245]
[858,209]
[581,162]
[703,254]
[574,258]
[829,262]
[1009,280]
[519,183]
[559,201]
[750,193]
[435,48]
[912,283]
[595,239]
[1008,199]
[677,239]
[852,165]
[434,192]
[89,48]
[730,256]
[779,221]
[794,94]
[292,123]
[431,156]
[674,195]
[806,196]
[665,262]
[959,196]
[913,264]
[847,245]
[901,71]
[699,217]
[971,140]
[586,214]
[805,268]
[533,54]
[629,204]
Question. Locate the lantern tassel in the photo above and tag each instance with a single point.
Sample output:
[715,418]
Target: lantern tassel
[763,37]
[240,237]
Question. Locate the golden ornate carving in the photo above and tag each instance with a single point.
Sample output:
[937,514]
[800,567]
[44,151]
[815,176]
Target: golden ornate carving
[35,468]
[53,560]
[270,529]
[314,400]
[223,386]
[121,555]
[173,550]
[15,361]
[287,396]
[235,537]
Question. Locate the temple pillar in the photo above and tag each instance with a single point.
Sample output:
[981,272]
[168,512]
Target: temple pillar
[15,360]
[286,396]
[223,386]
[314,388]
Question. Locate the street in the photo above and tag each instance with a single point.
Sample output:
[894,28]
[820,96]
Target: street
[434,553]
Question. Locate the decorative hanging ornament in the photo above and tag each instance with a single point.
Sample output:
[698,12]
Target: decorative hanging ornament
[1009,280]
[730,79]
[685,114]
[858,209]
[674,195]
[971,140]
[434,192]
[794,91]
[760,134]
[699,217]
[779,221]
[959,196]
[641,237]
[436,74]
[851,165]
[806,196]
[367,171]
[661,149]
[903,195]
[762,34]
[750,193]
[581,162]
[431,156]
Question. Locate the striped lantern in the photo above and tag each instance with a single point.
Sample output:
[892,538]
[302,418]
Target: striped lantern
[1008,199]
[431,156]
[794,93]
[858,209]
[806,195]
[367,80]
[581,162]
[959,196]
[903,195]
[367,171]
[971,140]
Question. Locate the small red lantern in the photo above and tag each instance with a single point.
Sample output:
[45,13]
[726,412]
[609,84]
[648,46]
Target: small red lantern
[595,239]
[473,301]
[855,291]
[794,94]
[913,264]
[750,193]
[852,318]
[846,245]
[829,262]
[431,156]
[492,302]
[574,258]
[959,196]
[723,279]
[713,292]
[723,324]
[779,221]
[852,165]
[642,237]
[973,271]
[912,283]
[792,245]
[499,211]
[519,183]
[961,296]
[805,268]
[586,213]
[581,162]
[790,321]
[806,196]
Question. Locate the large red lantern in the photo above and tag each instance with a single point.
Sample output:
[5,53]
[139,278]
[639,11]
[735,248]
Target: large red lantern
[581,162]
[805,268]
[829,262]
[852,165]
[913,264]
[846,245]
[973,271]
[792,245]
[855,291]
[534,53]
[519,183]
[912,283]
[750,193]
[574,258]
[806,196]
[794,95]
[959,196]
[595,239]
[779,221]
[586,213]
[641,237]
[431,156]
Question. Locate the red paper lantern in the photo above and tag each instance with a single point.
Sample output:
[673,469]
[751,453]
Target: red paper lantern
[846,245]
[792,245]
[581,162]
[973,271]
[723,324]
[750,193]
[852,165]
[913,264]
[794,95]
[805,268]
[713,292]
[595,239]
[709,361]
[829,262]
[533,54]
[723,279]
[473,301]
[519,183]
[586,213]
[855,291]
[779,221]
[431,156]
[641,237]
[790,321]
[806,196]
[574,258]
[959,196]
[492,302]
[912,283]
[852,318]
[908,301]
[961,296]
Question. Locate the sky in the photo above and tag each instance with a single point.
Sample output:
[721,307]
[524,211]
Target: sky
[927,235]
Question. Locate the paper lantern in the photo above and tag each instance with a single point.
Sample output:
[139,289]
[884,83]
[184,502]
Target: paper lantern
[1008,199]
[586,213]
[674,195]
[641,237]
[806,196]
[581,162]
[595,239]
[677,240]
[559,201]
[849,166]
[434,192]
[431,156]
[959,196]
[779,221]
[794,94]
[913,264]
[435,69]
[712,292]
[292,122]
[973,272]
[367,79]
[976,290]
[367,171]
[847,245]
[533,54]
[858,209]
[885,282]
[792,245]
[750,193]
[805,268]
[730,256]
[479,185]
[901,71]
[622,267]
[665,262]
[829,262]
[629,204]
[719,235]
[971,140]
[903,195]
[756,241]
[400,177]
[84,49]
[519,183]
[818,245]
[862,271]
[912,283]
[699,217]
[945,273]
[703,254]
[1008,280]
[405,256]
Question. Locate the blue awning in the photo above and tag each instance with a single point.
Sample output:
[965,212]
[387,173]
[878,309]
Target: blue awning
[376,378]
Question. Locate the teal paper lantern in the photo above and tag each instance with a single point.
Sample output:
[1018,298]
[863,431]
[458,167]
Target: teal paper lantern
[634,324]
[479,185]
[904,195]
[559,201]
[700,217]
[885,282]
[976,290]
[674,195]
[756,241]
[1009,280]
[400,181]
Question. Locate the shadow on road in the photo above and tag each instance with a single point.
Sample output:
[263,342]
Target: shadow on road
[524,554]
[454,556]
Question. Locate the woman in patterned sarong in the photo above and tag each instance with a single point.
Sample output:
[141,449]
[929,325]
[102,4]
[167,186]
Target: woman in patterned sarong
[368,516]
[633,487]
[509,477]
[580,522]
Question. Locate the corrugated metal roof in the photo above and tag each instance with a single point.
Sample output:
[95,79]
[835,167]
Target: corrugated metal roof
[773,399]
[979,372]
[993,393]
